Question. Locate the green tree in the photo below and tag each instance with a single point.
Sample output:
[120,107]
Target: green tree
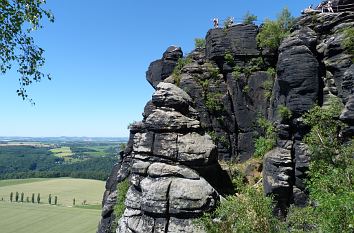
[32,198]
[39,198]
[331,170]
[273,32]
[55,200]
[199,43]
[249,18]
[22,196]
[11,196]
[18,19]
[16,196]
[74,201]
[50,199]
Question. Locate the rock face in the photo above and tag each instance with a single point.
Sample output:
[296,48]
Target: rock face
[161,69]
[209,112]
[169,148]
[312,68]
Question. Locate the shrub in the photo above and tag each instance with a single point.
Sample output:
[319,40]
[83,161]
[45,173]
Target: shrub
[122,189]
[250,211]
[348,41]
[199,43]
[229,59]
[331,169]
[256,64]
[271,72]
[267,141]
[249,18]
[273,32]
[246,89]
[268,87]
[213,102]
[213,70]
[236,73]
[284,112]
[177,71]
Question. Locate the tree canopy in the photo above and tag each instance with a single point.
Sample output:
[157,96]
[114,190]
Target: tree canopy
[273,32]
[18,18]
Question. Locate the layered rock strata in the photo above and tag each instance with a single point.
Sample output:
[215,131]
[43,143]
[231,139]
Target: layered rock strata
[169,148]
[223,90]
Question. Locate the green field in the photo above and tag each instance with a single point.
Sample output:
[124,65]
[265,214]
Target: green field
[65,188]
[20,181]
[31,218]
[38,218]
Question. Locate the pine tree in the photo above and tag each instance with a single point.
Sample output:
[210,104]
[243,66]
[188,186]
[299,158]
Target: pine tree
[39,198]
[22,195]
[55,200]
[16,197]
[32,199]
[50,199]
[11,196]
[74,201]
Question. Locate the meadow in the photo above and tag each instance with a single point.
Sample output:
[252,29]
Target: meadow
[37,218]
[66,189]
[31,218]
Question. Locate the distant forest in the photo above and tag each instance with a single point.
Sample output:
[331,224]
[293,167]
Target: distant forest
[78,160]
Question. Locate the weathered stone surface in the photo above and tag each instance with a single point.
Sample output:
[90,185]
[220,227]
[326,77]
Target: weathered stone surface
[164,120]
[133,198]
[109,204]
[155,195]
[140,167]
[347,114]
[277,176]
[195,148]
[165,145]
[239,39]
[177,225]
[162,169]
[297,73]
[161,69]
[143,142]
[169,95]
[191,196]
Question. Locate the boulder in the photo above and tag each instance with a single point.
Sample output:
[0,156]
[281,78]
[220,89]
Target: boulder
[162,68]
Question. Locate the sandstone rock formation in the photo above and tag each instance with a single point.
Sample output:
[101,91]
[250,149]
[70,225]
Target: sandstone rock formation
[210,112]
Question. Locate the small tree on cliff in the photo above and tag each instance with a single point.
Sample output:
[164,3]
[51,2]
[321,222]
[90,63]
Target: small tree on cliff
[273,32]
[18,19]
[249,18]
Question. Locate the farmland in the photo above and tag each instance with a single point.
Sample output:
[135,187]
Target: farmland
[50,159]
[37,218]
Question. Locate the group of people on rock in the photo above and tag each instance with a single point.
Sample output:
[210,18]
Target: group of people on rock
[326,6]
[228,23]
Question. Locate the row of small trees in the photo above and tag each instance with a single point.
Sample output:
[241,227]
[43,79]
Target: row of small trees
[20,198]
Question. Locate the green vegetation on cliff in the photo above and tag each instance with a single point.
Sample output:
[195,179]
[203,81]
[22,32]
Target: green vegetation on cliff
[273,32]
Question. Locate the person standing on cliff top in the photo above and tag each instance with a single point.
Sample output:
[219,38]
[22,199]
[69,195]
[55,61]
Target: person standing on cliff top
[216,22]
[329,7]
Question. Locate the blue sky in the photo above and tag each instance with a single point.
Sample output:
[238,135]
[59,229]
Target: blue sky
[97,53]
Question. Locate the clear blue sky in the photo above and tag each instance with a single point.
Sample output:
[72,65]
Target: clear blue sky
[97,53]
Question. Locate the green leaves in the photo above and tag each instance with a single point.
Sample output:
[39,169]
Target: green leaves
[331,183]
[273,32]
[18,19]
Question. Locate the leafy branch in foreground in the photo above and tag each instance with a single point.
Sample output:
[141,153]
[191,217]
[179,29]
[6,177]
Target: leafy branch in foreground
[18,19]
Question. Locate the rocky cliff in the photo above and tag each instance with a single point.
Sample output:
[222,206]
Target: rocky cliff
[205,110]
